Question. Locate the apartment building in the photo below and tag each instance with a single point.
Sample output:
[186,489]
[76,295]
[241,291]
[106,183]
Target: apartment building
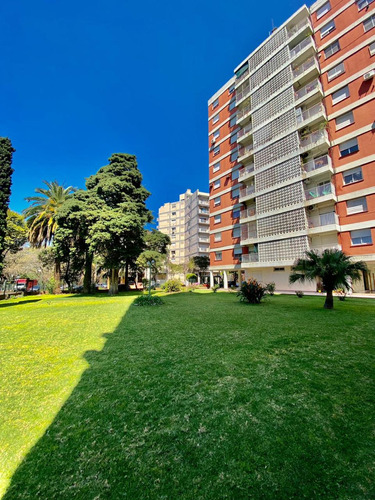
[291,147]
[187,224]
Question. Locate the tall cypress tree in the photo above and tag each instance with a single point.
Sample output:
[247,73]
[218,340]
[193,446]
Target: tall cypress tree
[6,153]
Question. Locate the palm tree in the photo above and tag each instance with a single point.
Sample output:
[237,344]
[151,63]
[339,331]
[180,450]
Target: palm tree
[41,217]
[333,267]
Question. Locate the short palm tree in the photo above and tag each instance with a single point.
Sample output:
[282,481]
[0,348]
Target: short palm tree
[41,216]
[333,267]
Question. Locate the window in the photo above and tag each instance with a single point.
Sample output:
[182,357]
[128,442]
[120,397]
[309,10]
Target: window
[348,147]
[216,167]
[276,269]
[217,237]
[233,138]
[216,134]
[336,71]
[236,193]
[363,3]
[237,253]
[216,150]
[369,23]
[361,237]
[352,175]
[215,119]
[217,219]
[217,201]
[344,120]
[371,48]
[233,121]
[235,213]
[327,29]
[234,156]
[323,10]
[331,49]
[236,232]
[215,104]
[340,95]
[356,206]
[235,174]
[217,184]
[232,104]
[231,89]
[218,255]
[173,213]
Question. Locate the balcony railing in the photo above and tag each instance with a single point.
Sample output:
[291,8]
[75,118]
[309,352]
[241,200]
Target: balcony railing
[244,171]
[203,240]
[304,67]
[307,89]
[299,26]
[242,77]
[316,163]
[203,211]
[318,191]
[204,203]
[244,131]
[250,257]
[313,138]
[322,220]
[302,45]
[249,212]
[244,92]
[245,191]
[245,150]
[243,112]
[315,110]
[248,232]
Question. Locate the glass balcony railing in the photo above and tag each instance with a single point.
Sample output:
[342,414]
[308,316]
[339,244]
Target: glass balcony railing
[318,191]
[249,212]
[316,163]
[243,112]
[322,220]
[314,138]
[246,130]
[297,71]
[245,191]
[248,232]
[303,24]
[317,109]
[244,171]
[245,150]
[250,257]
[301,46]
[307,89]
[242,77]
[243,93]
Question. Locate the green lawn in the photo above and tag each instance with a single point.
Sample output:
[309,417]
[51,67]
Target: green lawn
[202,398]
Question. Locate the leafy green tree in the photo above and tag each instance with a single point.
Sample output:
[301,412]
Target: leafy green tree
[201,263]
[118,231]
[157,241]
[41,218]
[157,261]
[16,232]
[332,267]
[6,171]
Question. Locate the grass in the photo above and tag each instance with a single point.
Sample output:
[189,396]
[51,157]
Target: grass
[202,398]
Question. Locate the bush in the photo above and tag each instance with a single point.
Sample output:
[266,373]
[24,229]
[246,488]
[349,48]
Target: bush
[172,286]
[215,288]
[191,277]
[252,291]
[299,294]
[148,300]
[51,285]
[270,287]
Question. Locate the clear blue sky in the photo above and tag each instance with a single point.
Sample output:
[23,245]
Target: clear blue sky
[83,79]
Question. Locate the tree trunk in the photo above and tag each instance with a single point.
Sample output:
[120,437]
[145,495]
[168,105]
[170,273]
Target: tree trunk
[88,272]
[328,304]
[113,282]
[57,276]
[127,275]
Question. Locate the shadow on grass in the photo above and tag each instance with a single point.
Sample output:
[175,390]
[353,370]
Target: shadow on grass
[21,302]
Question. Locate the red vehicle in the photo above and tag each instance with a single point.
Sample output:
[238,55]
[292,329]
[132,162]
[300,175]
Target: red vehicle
[25,285]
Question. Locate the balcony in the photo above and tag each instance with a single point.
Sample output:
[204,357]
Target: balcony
[242,77]
[311,115]
[245,151]
[323,223]
[248,232]
[242,94]
[247,192]
[246,172]
[248,212]
[305,24]
[321,164]
[303,46]
[307,92]
[315,140]
[243,113]
[204,203]
[203,211]
[204,240]
[250,257]
[326,191]
[245,133]
[304,71]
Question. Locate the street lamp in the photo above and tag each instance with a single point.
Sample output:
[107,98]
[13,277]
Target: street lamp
[149,263]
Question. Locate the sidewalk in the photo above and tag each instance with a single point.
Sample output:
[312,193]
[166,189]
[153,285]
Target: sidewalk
[356,295]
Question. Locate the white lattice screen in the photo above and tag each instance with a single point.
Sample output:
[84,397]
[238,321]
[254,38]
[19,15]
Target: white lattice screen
[273,107]
[288,222]
[281,250]
[277,127]
[269,67]
[279,173]
[271,87]
[283,197]
[278,150]
[266,50]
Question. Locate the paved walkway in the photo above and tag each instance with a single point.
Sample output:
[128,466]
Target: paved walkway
[357,295]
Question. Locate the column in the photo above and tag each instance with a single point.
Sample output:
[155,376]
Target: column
[225,280]
[211,279]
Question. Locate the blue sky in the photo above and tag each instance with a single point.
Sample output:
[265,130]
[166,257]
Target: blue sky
[83,79]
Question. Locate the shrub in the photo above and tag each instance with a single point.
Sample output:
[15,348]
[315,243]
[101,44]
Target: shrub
[51,285]
[191,277]
[270,287]
[299,294]
[215,288]
[148,300]
[251,291]
[172,286]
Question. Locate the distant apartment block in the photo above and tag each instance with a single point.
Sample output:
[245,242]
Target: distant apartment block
[292,147]
[187,224]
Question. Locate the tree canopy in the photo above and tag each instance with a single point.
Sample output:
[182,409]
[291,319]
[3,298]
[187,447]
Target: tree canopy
[6,171]
[16,232]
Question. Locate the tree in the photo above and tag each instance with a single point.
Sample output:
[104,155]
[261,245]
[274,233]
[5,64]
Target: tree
[201,263]
[332,267]
[118,231]
[157,261]
[30,263]
[6,171]
[157,241]
[16,233]
[41,217]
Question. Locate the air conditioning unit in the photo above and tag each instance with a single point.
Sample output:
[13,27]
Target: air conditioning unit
[369,75]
